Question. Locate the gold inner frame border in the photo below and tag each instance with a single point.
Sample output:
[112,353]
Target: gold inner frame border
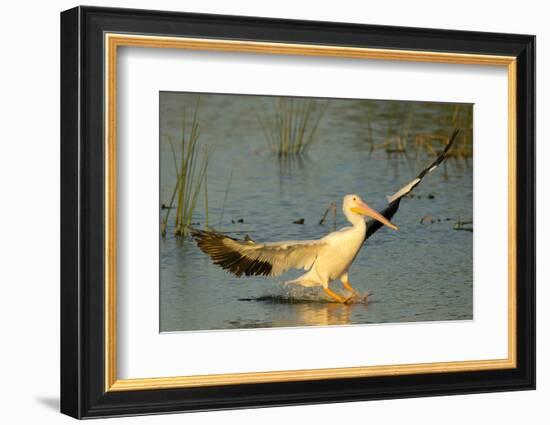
[113,40]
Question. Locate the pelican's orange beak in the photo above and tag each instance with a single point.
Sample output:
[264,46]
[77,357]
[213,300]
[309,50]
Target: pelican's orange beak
[364,209]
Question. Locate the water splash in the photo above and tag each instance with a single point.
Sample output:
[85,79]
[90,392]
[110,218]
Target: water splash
[286,293]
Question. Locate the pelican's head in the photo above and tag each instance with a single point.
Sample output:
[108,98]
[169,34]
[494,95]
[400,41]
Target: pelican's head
[354,206]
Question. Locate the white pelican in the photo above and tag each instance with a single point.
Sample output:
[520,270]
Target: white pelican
[326,259]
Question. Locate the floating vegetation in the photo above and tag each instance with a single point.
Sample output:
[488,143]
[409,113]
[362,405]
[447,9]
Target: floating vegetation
[291,127]
[191,171]
[464,225]
[467,225]
[429,219]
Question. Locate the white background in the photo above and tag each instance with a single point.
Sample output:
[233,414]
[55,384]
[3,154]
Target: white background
[145,72]
[29,221]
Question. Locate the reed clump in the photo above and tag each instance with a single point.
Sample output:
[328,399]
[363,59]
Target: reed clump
[460,118]
[396,141]
[191,176]
[403,138]
[290,128]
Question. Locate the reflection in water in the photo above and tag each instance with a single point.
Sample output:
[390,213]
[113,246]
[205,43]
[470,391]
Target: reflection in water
[309,307]
[423,272]
[315,314]
[289,163]
[304,309]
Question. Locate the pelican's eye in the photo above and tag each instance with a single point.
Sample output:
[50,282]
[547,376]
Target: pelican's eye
[354,198]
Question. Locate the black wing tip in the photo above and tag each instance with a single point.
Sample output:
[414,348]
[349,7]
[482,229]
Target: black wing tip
[211,243]
[455,133]
[445,151]
[387,212]
[451,141]
[392,208]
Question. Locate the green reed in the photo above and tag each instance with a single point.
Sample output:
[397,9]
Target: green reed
[461,118]
[291,127]
[191,173]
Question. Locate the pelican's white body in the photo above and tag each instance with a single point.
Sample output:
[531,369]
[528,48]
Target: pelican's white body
[337,252]
[324,259]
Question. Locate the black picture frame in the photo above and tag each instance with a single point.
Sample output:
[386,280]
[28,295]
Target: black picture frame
[83,392]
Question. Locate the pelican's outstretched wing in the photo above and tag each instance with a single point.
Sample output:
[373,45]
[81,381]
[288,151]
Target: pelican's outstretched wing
[395,199]
[257,259]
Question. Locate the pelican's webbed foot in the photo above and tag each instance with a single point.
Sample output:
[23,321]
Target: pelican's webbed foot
[337,297]
[350,298]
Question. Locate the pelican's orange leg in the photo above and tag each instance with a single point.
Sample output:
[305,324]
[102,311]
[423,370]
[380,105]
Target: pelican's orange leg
[348,286]
[335,296]
[345,282]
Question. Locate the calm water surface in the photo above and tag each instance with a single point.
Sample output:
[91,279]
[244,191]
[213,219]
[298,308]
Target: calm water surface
[423,272]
